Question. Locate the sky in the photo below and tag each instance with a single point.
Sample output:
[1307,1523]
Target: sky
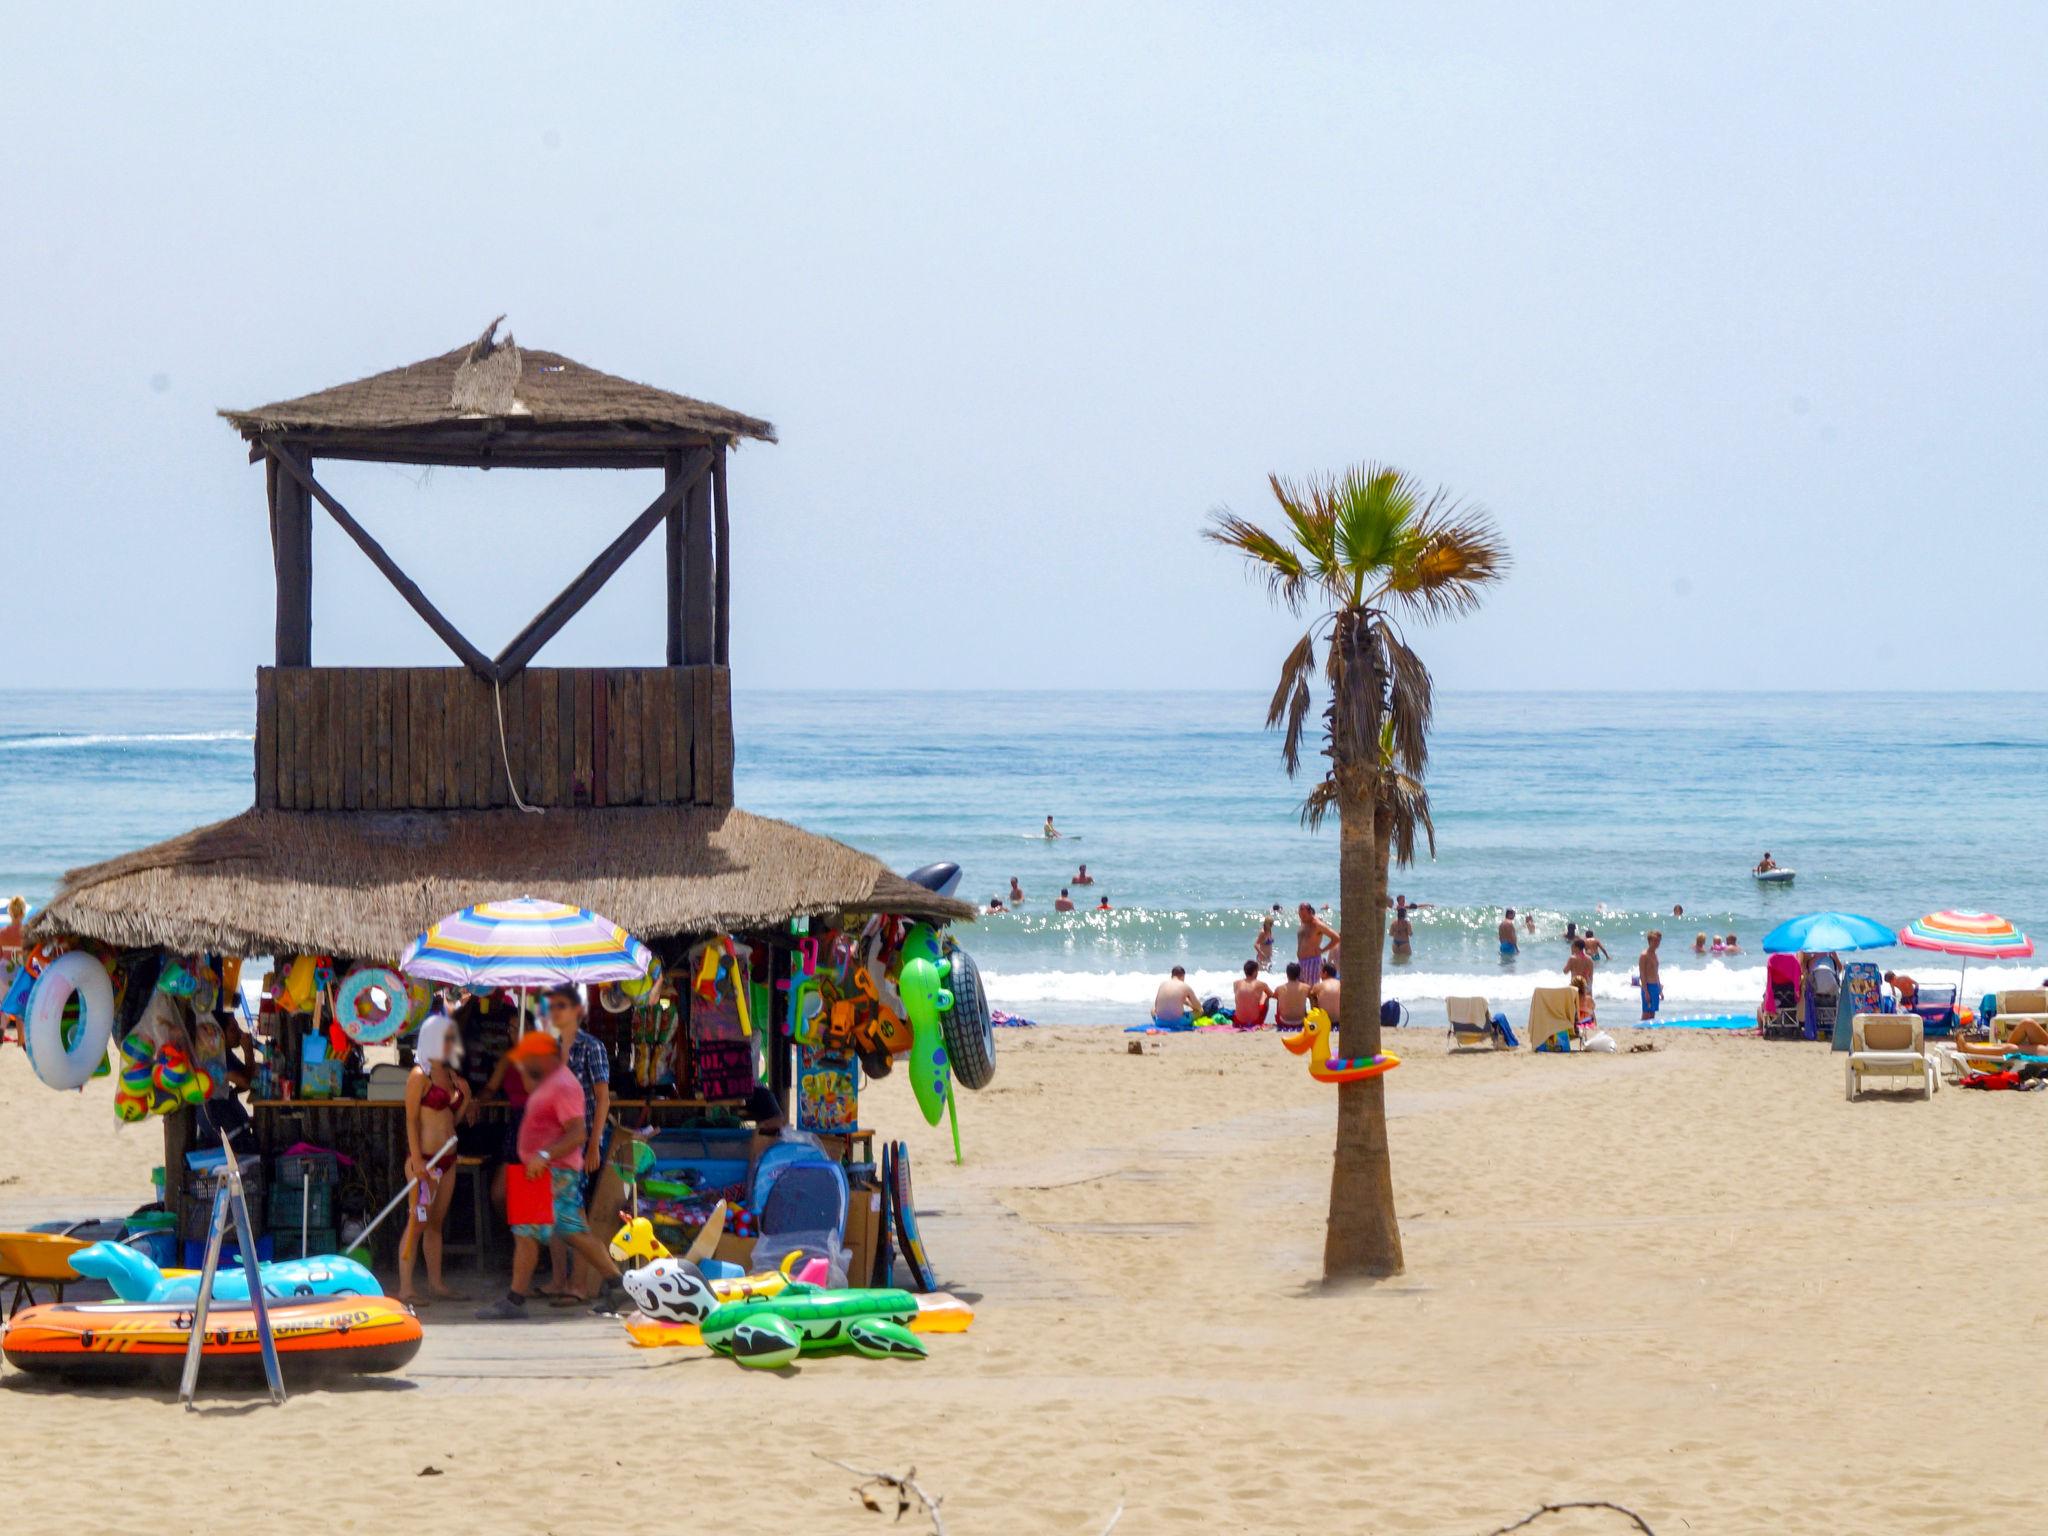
[1731,316]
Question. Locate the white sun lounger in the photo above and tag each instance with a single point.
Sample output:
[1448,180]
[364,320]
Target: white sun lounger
[1890,1045]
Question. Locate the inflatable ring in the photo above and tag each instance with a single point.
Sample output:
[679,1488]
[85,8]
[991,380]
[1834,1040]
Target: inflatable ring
[356,1009]
[968,1027]
[78,974]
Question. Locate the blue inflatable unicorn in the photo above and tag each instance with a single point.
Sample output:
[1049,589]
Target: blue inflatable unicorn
[135,1277]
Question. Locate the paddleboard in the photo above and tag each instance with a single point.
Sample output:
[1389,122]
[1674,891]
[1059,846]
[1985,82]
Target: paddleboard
[906,1220]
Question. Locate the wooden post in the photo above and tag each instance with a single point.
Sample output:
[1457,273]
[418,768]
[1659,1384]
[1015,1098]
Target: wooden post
[291,547]
[721,539]
[697,583]
[673,471]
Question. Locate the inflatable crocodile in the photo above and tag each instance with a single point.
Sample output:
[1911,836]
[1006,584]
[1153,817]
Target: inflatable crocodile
[767,1333]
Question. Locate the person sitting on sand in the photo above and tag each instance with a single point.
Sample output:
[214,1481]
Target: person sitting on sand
[1082,877]
[1587,1017]
[1510,944]
[1647,974]
[1328,995]
[1065,903]
[1313,940]
[435,1098]
[1291,1000]
[1016,892]
[1904,988]
[1252,995]
[1051,831]
[1175,1003]
[1262,946]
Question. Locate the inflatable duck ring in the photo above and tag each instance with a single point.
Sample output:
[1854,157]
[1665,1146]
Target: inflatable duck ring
[1313,1041]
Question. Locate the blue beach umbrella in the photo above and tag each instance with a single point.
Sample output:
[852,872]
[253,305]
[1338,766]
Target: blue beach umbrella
[1828,931]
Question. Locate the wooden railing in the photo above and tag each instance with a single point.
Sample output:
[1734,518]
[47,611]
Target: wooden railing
[427,738]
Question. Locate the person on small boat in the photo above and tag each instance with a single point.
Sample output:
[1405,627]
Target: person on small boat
[1765,864]
[1252,996]
[1051,832]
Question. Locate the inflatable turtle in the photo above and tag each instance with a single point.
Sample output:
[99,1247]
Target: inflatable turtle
[767,1333]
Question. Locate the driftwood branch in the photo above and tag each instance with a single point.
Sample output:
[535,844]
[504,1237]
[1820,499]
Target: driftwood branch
[907,1495]
[1551,1509]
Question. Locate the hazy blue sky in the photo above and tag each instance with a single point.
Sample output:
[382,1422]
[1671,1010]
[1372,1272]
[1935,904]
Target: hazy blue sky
[1733,315]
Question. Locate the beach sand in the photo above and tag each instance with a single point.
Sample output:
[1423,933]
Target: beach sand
[1694,1281]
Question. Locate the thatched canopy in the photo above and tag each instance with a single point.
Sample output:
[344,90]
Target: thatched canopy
[493,401]
[362,884]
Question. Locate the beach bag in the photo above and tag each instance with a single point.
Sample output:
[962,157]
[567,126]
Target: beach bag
[529,1198]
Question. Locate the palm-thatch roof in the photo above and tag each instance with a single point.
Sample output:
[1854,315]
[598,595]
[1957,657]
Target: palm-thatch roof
[496,389]
[363,884]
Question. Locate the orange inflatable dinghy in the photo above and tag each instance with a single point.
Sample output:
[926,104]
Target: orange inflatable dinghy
[124,1341]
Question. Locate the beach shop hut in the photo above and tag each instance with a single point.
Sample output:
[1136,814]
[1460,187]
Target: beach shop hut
[388,797]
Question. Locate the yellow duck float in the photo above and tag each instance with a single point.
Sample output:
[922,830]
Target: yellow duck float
[1313,1041]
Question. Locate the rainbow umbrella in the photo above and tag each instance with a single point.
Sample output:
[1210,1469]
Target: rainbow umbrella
[1971,935]
[525,943]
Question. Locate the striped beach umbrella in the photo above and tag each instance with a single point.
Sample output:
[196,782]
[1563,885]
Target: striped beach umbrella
[525,943]
[1972,935]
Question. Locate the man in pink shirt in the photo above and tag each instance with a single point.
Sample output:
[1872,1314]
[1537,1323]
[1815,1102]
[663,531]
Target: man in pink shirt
[552,1137]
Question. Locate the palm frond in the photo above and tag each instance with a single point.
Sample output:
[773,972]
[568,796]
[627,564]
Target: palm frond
[1320,802]
[1306,505]
[1272,557]
[1374,509]
[1411,702]
[1292,698]
[1407,805]
[1456,551]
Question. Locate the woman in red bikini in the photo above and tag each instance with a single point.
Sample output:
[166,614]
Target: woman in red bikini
[435,1096]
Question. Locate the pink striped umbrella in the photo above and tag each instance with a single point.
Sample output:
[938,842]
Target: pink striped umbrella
[1972,935]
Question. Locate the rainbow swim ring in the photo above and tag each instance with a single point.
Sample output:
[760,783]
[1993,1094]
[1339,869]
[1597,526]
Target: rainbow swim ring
[1313,1041]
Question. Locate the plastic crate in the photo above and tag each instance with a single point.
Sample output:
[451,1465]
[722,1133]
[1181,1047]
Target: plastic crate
[197,1219]
[306,1168]
[284,1243]
[287,1200]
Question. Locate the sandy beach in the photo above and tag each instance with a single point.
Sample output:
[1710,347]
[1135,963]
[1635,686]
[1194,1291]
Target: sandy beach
[1675,1279]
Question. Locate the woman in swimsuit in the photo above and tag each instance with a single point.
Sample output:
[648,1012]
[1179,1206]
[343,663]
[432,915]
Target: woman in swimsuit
[435,1096]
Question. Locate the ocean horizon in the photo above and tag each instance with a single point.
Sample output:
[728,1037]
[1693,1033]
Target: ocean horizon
[1601,806]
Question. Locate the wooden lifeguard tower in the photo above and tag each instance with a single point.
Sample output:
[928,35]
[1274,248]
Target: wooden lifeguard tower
[388,796]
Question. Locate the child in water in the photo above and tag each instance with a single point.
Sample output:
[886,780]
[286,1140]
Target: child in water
[1699,943]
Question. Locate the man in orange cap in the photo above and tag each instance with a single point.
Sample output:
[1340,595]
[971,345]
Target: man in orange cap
[552,1137]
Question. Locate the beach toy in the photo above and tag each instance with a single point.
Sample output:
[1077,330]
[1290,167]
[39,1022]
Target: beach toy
[123,1341]
[135,1277]
[296,995]
[15,1004]
[419,1002]
[767,1333]
[1313,1040]
[636,1240]
[64,1049]
[707,975]
[643,986]
[968,1025]
[611,997]
[372,1006]
[177,979]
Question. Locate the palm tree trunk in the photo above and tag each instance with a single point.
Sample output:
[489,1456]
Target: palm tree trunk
[1363,1237]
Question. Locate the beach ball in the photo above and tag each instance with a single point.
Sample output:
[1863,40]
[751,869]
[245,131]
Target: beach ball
[129,1108]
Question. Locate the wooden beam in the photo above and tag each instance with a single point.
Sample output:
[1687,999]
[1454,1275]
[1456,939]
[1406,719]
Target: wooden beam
[721,540]
[266,738]
[291,548]
[697,583]
[407,588]
[545,624]
[673,470]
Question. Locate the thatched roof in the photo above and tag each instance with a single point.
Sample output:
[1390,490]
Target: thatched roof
[363,884]
[498,384]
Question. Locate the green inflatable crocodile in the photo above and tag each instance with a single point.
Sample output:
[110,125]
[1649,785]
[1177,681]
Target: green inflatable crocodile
[767,1333]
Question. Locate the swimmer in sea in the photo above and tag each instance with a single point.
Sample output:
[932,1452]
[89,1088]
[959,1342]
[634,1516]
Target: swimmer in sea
[1510,945]
[1102,905]
[1699,943]
[1051,831]
[1082,877]
[1016,892]
[995,904]
[1065,903]
[1401,932]
[1262,946]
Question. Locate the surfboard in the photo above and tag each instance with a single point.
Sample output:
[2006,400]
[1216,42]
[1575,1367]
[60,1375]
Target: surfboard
[907,1237]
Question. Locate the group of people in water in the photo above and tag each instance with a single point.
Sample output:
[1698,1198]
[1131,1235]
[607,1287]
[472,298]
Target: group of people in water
[1064,902]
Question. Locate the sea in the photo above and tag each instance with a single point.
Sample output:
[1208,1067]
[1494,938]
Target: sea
[1606,809]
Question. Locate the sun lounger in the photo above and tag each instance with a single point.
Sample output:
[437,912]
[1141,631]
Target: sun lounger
[1553,1018]
[2016,1008]
[1890,1045]
[1475,1024]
